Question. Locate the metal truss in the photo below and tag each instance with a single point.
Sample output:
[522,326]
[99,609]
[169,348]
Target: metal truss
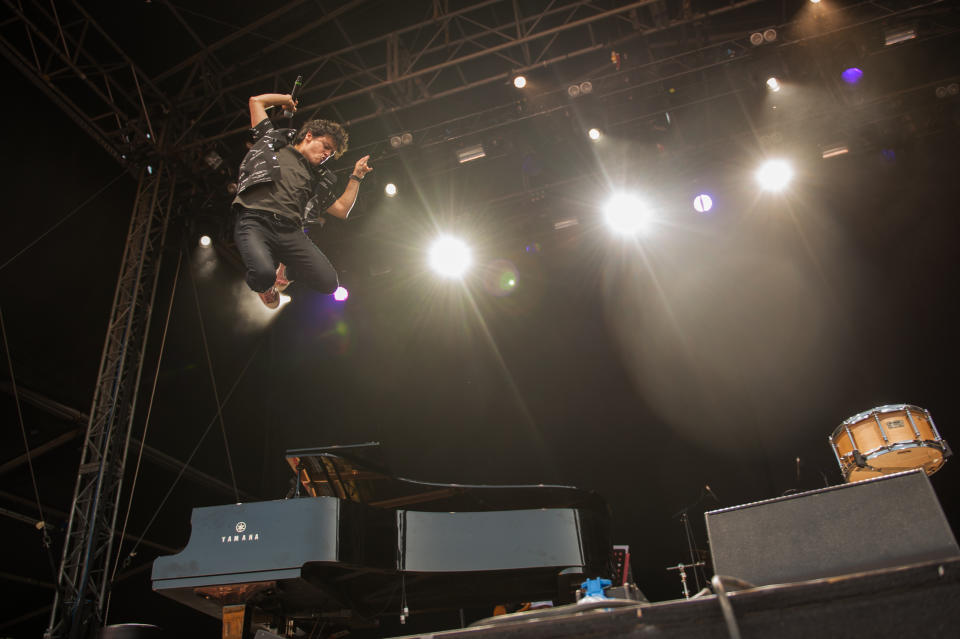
[451,51]
[69,57]
[82,581]
[434,49]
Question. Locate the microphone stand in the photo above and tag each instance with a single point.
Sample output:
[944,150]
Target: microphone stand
[685,519]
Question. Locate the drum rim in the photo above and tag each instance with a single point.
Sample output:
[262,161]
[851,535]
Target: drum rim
[879,410]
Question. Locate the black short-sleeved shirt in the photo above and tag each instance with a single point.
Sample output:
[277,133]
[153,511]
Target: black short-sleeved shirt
[287,196]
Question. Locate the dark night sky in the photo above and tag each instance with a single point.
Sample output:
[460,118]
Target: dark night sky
[717,350]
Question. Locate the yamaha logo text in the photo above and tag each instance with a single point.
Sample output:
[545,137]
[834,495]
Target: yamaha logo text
[241,534]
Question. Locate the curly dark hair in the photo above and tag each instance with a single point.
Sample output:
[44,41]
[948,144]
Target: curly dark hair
[325,127]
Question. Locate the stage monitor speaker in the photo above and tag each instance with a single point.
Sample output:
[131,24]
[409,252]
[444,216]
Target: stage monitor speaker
[877,523]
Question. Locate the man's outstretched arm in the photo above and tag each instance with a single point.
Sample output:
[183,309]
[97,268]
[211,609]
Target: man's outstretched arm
[341,207]
[259,103]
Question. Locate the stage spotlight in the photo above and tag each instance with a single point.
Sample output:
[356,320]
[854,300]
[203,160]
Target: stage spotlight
[471,153]
[898,35]
[815,1]
[774,175]
[398,140]
[573,91]
[773,84]
[449,256]
[851,75]
[341,294]
[205,241]
[627,214]
[586,87]
[390,189]
[594,134]
[950,90]
[520,82]
[833,151]
[702,203]
[213,159]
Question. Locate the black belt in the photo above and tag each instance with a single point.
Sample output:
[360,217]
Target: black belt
[283,220]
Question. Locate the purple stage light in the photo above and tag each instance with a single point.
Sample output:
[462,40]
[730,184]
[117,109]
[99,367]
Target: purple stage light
[702,203]
[340,294]
[851,75]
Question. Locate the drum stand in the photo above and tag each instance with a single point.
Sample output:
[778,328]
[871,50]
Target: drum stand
[683,575]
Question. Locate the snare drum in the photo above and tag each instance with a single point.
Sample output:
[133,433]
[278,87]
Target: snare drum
[888,439]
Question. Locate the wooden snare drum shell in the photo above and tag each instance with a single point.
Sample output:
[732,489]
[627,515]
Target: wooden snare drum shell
[887,439]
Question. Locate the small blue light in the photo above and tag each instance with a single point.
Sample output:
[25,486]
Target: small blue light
[851,75]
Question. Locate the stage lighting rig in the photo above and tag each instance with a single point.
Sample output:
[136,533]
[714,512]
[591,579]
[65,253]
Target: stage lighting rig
[767,36]
[398,140]
[834,150]
[896,35]
[577,90]
[471,153]
[213,159]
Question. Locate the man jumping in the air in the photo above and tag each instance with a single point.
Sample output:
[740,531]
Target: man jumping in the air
[282,187]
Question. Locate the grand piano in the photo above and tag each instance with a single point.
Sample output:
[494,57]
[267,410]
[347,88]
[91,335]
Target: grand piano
[353,542]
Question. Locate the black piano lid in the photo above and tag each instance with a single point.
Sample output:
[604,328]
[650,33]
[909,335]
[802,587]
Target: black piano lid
[355,472]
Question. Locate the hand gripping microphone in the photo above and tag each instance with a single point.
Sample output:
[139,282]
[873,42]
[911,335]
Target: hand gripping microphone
[293,94]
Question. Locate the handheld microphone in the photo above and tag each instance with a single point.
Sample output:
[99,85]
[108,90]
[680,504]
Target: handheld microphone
[293,94]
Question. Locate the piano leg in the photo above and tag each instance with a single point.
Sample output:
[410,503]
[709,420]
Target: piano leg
[236,622]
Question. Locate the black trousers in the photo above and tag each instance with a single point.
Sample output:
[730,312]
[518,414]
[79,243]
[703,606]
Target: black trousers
[265,239]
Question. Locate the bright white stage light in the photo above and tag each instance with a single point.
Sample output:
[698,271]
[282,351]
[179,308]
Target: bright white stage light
[450,257]
[627,214]
[773,84]
[205,241]
[390,189]
[594,134]
[341,294]
[519,82]
[702,203]
[774,175]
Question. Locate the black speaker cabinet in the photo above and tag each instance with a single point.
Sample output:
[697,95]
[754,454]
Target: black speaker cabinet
[889,521]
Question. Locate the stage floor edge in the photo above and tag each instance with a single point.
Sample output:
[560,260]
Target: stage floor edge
[914,600]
